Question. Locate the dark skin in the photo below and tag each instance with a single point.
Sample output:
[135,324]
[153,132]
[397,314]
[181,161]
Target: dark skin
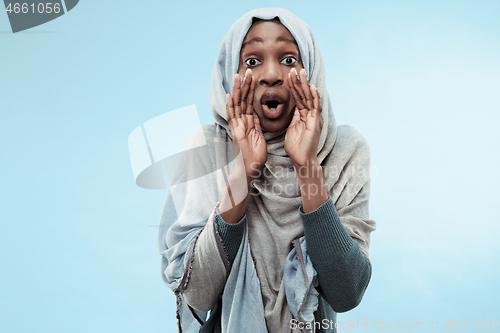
[271,68]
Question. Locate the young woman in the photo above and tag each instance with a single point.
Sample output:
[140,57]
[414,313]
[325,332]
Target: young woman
[266,222]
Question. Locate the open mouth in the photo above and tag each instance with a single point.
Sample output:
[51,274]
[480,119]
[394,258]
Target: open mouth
[272,104]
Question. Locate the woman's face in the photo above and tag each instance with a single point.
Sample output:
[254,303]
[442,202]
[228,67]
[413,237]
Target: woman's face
[270,51]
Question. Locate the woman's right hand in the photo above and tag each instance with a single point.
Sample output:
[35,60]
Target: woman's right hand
[245,126]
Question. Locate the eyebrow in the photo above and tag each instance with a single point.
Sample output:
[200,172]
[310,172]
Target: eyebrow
[254,40]
[282,39]
[259,40]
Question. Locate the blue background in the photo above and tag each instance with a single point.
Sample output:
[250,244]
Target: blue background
[419,79]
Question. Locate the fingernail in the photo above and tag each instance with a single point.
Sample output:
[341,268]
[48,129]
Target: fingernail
[297,74]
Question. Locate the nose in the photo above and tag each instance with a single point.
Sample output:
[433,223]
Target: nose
[271,75]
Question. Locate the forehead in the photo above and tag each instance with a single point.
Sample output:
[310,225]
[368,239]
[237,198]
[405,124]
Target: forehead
[267,30]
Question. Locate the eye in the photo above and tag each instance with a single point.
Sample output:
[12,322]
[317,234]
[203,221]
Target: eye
[251,62]
[289,61]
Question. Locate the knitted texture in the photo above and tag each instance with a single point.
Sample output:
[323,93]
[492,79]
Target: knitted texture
[343,270]
[231,235]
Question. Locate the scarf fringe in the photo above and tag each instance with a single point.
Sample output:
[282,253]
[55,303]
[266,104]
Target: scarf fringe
[182,286]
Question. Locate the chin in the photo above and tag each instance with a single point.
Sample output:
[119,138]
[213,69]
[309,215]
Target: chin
[273,128]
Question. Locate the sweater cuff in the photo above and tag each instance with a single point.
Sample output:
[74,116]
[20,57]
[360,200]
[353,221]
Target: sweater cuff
[323,227]
[230,234]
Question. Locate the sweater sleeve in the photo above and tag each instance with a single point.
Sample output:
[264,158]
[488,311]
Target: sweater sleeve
[343,270]
[230,235]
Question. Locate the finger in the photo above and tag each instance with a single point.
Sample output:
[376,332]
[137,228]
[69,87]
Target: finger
[230,113]
[246,92]
[316,99]
[229,107]
[251,94]
[243,120]
[316,115]
[305,87]
[245,87]
[296,96]
[237,96]
[242,81]
[298,88]
[249,122]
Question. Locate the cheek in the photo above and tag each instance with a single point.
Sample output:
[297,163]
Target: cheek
[256,104]
[291,102]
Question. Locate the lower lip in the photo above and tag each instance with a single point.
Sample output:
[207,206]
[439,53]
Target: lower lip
[272,113]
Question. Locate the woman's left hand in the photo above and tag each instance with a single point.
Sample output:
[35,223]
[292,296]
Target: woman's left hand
[302,136]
